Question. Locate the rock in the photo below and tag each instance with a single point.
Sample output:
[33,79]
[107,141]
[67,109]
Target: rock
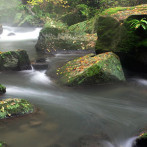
[14,60]
[14,107]
[41,60]
[2,89]
[116,34]
[40,66]
[141,141]
[114,30]
[91,69]
[89,141]
[11,34]
[54,40]
[76,17]
[1,29]
[35,123]
[3,144]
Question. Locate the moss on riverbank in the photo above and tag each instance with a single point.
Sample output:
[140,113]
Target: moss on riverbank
[2,89]
[14,107]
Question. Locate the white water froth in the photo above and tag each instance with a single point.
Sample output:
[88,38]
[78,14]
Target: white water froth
[129,142]
[38,77]
[142,81]
[19,34]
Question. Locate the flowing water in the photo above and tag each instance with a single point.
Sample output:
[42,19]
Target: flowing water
[118,112]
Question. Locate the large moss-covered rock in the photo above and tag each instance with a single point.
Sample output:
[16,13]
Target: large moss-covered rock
[91,69]
[114,29]
[56,37]
[116,33]
[14,60]
[14,107]
[54,40]
[141,141]
[2,89]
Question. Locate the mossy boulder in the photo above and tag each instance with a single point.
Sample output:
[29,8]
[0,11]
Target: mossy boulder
[2,89]
[14,107]
[57,37]
[14,60]
[54,40]
[3,144]
[115,32]
[91,69]
[141,141]
[73,18]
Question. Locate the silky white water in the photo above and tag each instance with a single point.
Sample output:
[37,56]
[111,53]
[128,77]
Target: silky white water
[19,34]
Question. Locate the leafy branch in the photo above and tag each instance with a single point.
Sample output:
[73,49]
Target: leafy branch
[136,24]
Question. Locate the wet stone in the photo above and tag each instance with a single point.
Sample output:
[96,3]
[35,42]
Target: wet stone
[89,141]
[35,123]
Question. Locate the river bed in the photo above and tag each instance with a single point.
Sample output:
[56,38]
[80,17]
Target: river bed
[66,114]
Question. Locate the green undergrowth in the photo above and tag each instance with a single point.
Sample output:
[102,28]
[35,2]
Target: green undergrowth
[14,107]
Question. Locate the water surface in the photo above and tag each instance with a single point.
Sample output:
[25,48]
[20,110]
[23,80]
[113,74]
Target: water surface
[66,114]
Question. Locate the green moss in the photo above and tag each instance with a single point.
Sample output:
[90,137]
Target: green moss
[2,89]
[117,36]
[3,144]
[13,107]
[52,31]
[114,10]
[82,27]
[91,69]
[142,43]
[73,18]
[143,136]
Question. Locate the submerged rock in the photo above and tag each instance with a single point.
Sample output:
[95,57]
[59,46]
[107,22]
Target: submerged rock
[40,66]
[14,60]
[2,89]
[90,141]
[14,107]
[141,141]
[11,34]
[91,69]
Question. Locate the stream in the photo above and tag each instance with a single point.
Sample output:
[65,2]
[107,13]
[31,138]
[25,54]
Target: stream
[65,114]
